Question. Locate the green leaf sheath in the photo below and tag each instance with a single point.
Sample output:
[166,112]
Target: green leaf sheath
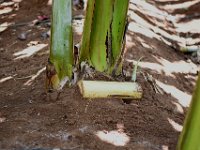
[118,26]
[100,32]
[190,136]
[85,43]
[61,50]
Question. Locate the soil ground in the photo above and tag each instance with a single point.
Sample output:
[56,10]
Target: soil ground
[32,119]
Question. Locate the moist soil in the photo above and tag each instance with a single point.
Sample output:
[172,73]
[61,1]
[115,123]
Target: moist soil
[30,118]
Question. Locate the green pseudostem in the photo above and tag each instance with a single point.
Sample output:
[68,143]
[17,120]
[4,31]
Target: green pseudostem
[103,33]
[61,49]
[189,138]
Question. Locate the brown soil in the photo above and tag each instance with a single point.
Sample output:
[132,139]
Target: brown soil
[30,118]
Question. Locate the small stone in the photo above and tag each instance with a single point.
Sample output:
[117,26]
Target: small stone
[2,49]
[49,33]
[83,129]
[48,24]
[109,120]
[56,149]
[2,120]
[22,36]
[30,101]
[44,35]
[151,118]
[35,22]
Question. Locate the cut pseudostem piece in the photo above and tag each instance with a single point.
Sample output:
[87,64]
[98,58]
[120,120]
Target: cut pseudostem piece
[106,89]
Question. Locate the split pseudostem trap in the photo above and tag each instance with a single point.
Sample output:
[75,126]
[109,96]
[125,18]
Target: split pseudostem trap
[102,47]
